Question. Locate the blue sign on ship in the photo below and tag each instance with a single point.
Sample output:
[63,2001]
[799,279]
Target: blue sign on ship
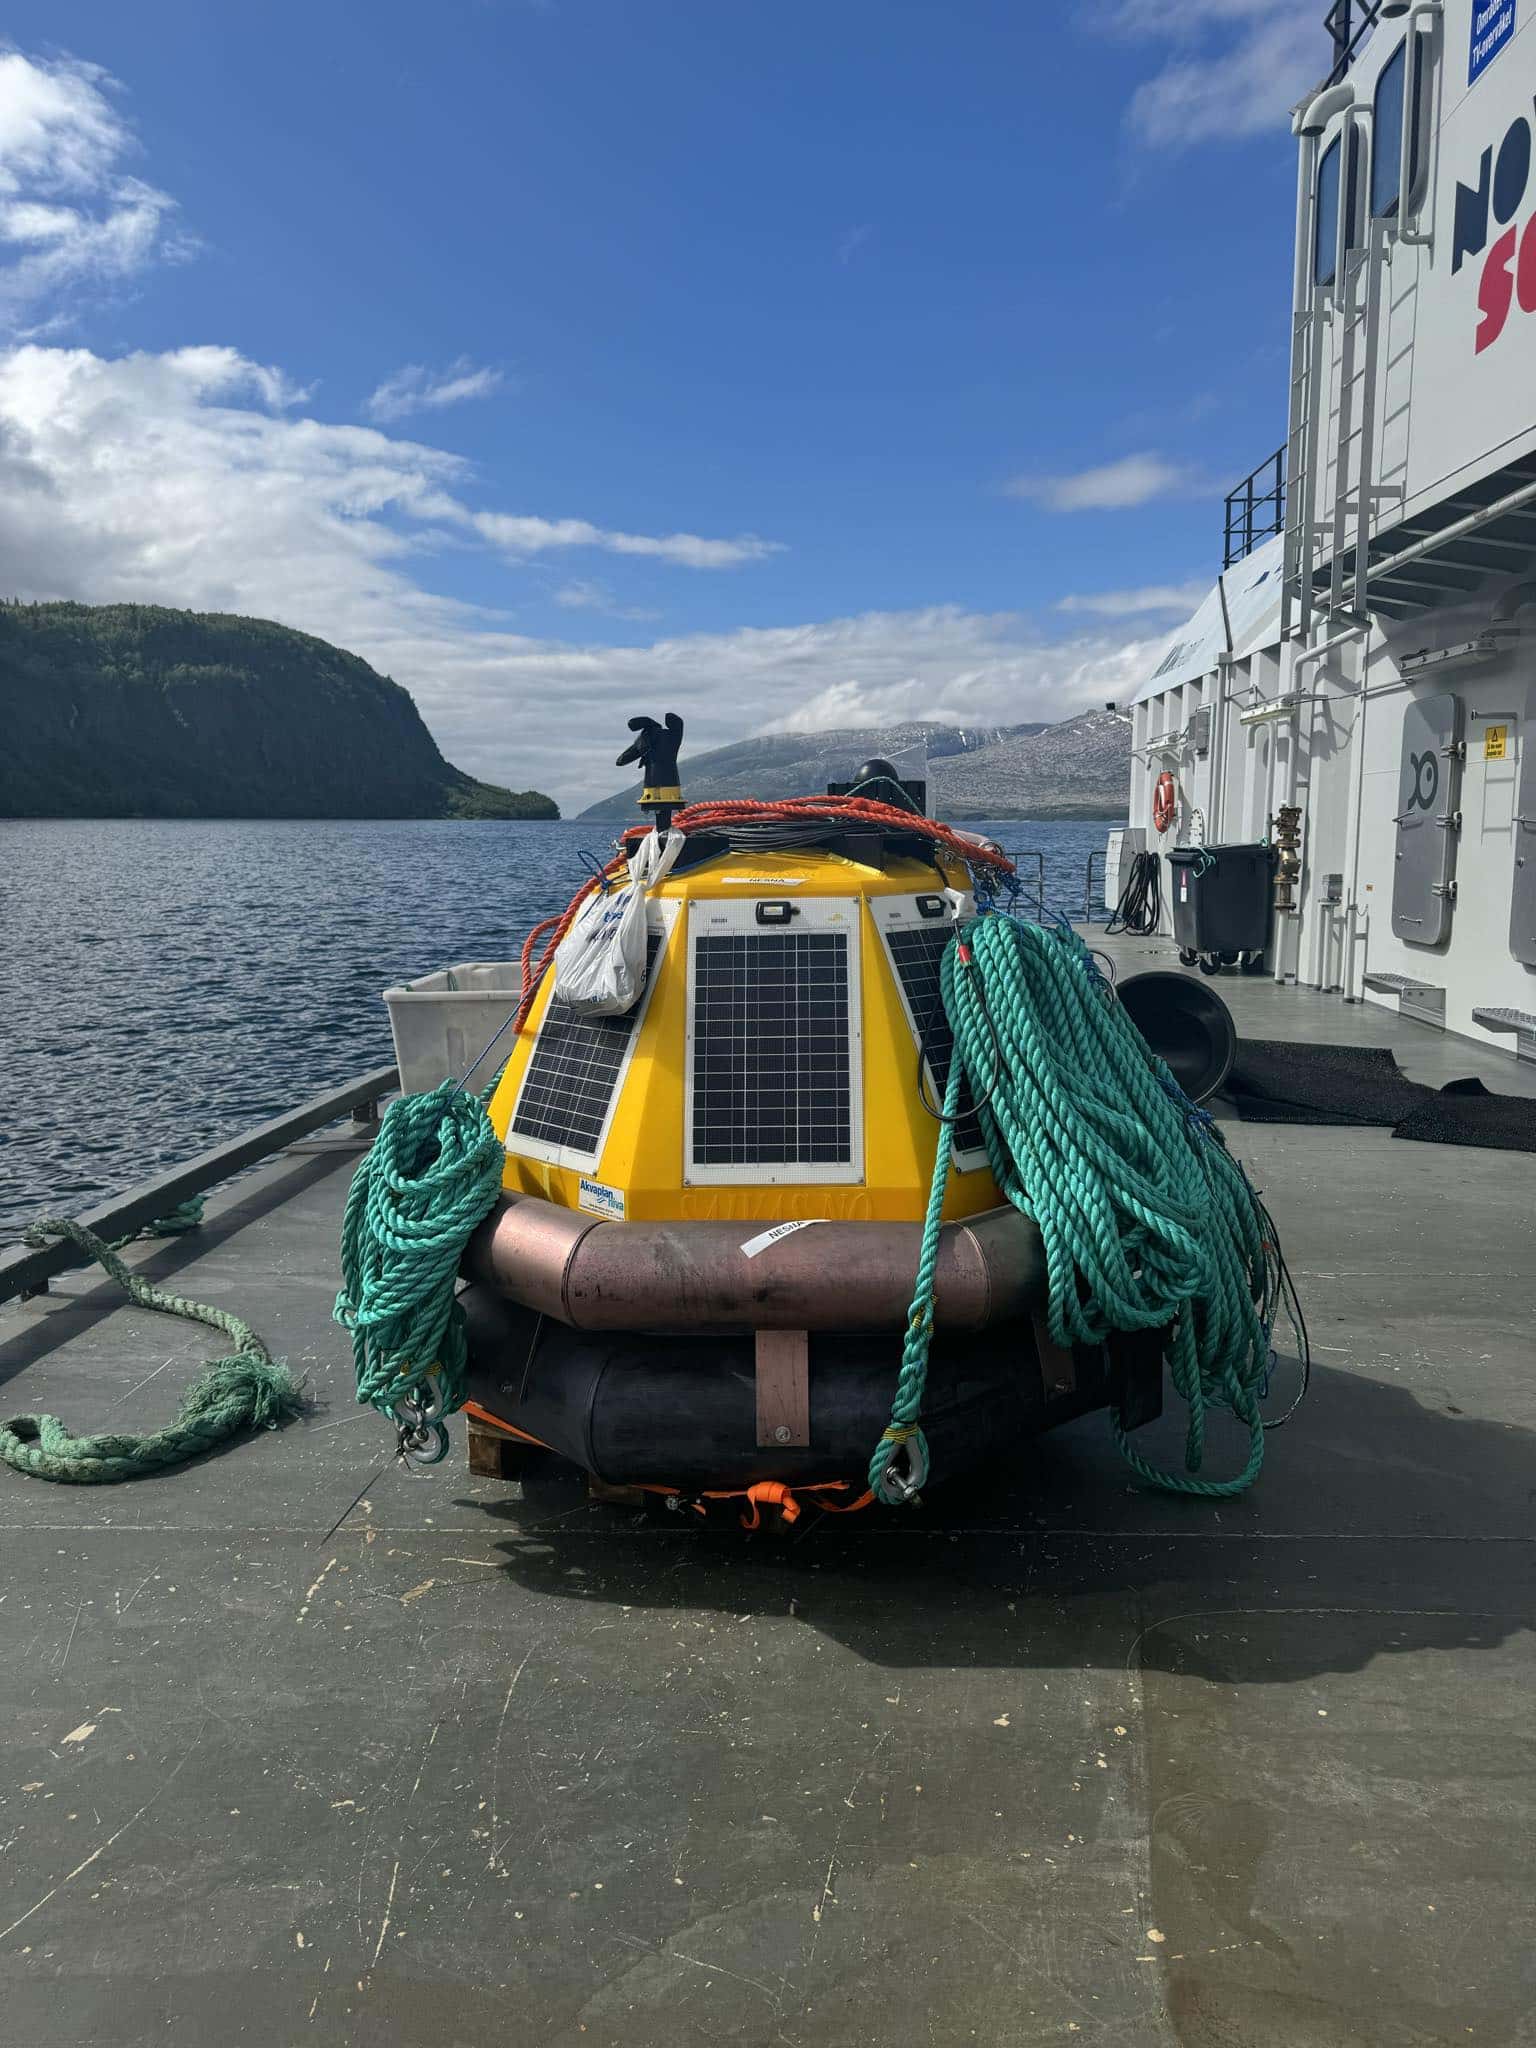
[1493,25]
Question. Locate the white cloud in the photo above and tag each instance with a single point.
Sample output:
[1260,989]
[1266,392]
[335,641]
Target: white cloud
[418,389]
[1129,604]
[1113,486]
[959,667]
[518,536]
[178,479]
[585,594]
[71,218]
[1235,68]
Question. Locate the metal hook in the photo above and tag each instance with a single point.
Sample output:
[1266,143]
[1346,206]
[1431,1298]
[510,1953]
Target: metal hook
[423,1438]
[901,1488]
[427,1445]
[424,1403]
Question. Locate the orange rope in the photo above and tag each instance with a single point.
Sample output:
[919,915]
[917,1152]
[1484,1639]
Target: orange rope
[726,811]
[854,810]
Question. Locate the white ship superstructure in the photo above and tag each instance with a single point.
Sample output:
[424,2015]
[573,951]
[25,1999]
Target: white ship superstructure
[1358,687]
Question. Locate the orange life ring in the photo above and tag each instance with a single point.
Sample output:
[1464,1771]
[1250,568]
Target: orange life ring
[1164,802]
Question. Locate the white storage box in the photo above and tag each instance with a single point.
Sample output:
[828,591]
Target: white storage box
[443,1021]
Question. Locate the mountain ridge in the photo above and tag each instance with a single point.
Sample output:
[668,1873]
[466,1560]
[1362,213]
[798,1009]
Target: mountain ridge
[1076,768]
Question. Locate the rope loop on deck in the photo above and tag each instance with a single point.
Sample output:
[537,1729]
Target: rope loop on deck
[249,1389]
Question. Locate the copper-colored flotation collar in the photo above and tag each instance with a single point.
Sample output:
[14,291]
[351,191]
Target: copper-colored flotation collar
[702,1276]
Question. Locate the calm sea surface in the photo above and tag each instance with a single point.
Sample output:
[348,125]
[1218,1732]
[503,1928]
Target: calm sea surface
[168,984]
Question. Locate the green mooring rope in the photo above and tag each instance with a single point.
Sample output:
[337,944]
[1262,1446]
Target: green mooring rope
[430,1177]
[904,1432]
[247,1390]
[1146,1219]
[176,1222]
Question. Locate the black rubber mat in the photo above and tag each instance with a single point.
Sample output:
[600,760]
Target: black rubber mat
[1275,1082]
[1467,1113]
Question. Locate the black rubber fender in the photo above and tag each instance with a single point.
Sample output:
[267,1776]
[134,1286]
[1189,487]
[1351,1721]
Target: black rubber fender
[682,1411]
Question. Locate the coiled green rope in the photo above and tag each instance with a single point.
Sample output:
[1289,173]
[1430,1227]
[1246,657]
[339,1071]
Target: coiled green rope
[429,1178]
[247,1390]
[1146,1219]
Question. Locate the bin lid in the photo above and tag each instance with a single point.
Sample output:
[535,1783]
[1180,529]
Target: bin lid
[1260,850]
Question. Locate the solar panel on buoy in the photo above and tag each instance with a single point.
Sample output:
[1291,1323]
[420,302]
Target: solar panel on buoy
[774,1092]
[572,1080]
[916,933]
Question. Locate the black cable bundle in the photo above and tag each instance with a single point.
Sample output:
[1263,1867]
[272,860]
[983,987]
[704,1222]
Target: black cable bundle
[778,835]
[1141,900]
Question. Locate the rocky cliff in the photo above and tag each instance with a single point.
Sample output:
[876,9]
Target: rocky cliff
[133,711]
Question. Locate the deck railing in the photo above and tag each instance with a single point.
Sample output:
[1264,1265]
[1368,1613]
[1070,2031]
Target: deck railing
[27,1269]
[1255,509]
[1094,872]
[1349,23]
[1032,885]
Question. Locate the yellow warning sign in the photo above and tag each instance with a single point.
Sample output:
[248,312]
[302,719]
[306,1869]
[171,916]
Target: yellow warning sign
[1495,742]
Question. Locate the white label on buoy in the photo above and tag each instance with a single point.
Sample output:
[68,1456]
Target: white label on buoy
[754,1245]
[598,1199]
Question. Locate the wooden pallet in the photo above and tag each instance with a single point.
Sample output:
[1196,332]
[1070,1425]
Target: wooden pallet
[495,1455]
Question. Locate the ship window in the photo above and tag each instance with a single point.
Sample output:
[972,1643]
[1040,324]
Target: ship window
[1387,131]
[1326,245]
[1353,224]
[774,1083]
[1387,135]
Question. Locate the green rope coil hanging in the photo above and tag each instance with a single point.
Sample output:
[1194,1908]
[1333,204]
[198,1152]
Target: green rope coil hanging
[1146,1219]
[428,1180]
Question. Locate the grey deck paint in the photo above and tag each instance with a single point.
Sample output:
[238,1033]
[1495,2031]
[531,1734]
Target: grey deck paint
[1058,1760]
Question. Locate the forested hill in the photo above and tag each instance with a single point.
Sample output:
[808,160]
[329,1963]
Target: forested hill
[134,711]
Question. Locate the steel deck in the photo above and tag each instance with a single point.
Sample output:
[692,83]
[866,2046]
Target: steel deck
[301,1746]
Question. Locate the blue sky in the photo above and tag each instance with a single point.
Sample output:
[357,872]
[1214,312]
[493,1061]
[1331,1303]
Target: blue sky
[800,364]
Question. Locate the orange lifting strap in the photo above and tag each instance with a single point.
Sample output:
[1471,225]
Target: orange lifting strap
[767,1493]
[773,1493]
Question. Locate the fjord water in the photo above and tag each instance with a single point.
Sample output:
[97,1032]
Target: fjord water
[170,983]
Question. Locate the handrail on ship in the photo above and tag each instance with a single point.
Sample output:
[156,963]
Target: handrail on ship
[1101,855]
[27,1269]
[1037,879]
[1254,515]
[1349,23]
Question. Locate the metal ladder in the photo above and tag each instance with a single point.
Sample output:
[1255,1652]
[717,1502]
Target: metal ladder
[1352,306]
[1301,471]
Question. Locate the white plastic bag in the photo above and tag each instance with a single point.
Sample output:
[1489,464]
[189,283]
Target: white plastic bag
[600,963]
